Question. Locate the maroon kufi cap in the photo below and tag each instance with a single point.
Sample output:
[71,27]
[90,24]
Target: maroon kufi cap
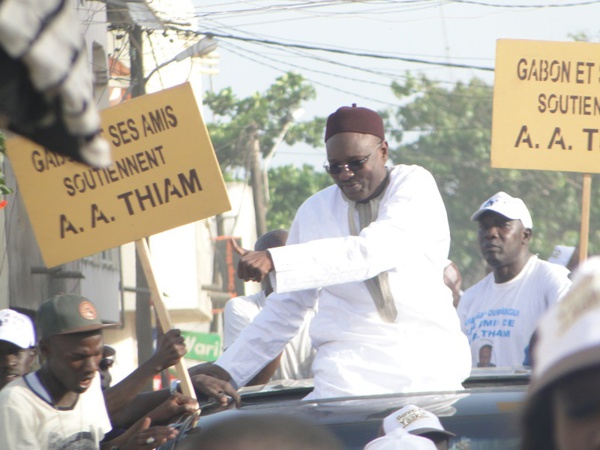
[354,119]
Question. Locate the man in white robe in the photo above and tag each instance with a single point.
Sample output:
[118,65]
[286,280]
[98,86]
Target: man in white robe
[370,251]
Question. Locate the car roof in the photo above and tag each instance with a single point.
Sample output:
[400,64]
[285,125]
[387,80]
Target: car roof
[487,409]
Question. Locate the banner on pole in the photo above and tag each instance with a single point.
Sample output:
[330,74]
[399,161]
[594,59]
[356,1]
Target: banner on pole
[546,110]
[165,174]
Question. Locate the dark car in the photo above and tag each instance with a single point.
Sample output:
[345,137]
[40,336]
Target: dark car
[484,416]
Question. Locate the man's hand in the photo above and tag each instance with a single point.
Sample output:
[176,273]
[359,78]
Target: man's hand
[215,388]
[175,406]
[253,265]
[141,436]
[169,349]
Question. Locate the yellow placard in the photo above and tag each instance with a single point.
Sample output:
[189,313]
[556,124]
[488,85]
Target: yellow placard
[546,113]
[164,174]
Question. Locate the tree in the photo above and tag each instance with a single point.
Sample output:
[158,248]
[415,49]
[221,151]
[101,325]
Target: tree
[453,134]
[289,187]
[248,131]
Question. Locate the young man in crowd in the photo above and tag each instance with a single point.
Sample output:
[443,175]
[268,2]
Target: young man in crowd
[61,405]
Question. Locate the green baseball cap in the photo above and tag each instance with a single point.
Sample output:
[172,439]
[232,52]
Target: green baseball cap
[67,314]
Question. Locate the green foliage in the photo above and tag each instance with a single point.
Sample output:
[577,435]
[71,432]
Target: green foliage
[265,114]
[453,135]
[289,186]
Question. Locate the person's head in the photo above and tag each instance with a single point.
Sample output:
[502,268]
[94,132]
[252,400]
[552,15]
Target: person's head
[108,359]
[70,341]
[504,230]
[262,431]
[271,239]
[563,406]
[419,422]
[356,151]
[485,356]
[17,346]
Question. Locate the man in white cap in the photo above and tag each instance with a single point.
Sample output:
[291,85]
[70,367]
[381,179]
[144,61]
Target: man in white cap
[419,422]
[17,346]
[562,411]
[368,255]
[499,313]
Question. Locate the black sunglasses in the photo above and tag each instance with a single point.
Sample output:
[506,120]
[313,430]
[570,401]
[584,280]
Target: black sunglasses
[353,166]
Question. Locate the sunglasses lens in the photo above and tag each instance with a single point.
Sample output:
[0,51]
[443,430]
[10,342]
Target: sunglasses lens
[355,165]
[352,166]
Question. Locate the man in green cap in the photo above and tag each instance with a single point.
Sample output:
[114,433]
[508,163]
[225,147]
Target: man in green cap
[61,405]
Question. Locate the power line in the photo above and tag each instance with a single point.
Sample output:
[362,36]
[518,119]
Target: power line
[342,52]
[322,72]
[318,83]
[549,5]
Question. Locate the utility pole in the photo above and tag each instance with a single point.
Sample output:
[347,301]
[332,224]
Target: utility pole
[258,186]
[143,309]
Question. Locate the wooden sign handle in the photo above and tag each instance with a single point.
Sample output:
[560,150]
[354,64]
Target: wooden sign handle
[585,217]
[162,313]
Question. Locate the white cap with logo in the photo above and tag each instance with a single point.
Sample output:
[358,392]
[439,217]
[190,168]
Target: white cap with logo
[510,207]
[16,328]
[415,420]
[400,439]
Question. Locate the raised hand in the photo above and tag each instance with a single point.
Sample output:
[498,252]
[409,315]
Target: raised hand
[170,348]
[253,265]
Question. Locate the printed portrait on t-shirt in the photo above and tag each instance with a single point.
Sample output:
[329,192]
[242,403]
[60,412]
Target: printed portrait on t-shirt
[486,355]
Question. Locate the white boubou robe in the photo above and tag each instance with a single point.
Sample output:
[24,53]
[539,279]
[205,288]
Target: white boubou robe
[324,267]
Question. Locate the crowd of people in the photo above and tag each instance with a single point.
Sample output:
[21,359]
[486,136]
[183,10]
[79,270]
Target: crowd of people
[62,404]
[355,295]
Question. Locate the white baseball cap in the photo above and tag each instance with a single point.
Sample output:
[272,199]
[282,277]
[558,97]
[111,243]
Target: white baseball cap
[510,207]
[400,439]
[568,335]
[415,420]
[16,328]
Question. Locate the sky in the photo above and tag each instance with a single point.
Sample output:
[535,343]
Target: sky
[368,44]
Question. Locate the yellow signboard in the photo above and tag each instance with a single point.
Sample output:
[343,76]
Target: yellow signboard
[546,106]
[164,174]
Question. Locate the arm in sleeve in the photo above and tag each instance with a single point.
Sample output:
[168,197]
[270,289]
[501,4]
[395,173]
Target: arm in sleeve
[264,339]
[235,319]
[412,224]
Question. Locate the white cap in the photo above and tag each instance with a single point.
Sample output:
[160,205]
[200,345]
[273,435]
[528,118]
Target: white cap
[16,328]
[415,420]
[400,439]
[568,335]
[510,207]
